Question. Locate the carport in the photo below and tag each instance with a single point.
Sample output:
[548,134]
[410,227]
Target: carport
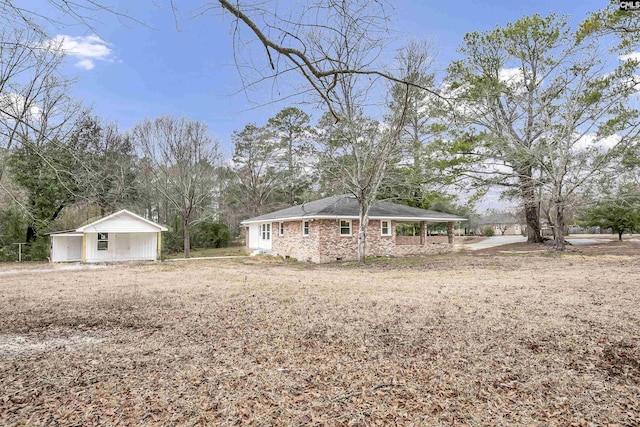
[66,246]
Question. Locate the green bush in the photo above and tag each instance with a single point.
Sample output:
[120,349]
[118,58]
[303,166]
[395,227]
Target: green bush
[13,229]
[211,235]
[488,231]
[37,251]
[8,255]
[172,240]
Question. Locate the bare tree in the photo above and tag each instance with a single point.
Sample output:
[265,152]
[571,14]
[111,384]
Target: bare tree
[308,45]
[182,159]
[34,102]
[356,157]
[335,46]
[36,117]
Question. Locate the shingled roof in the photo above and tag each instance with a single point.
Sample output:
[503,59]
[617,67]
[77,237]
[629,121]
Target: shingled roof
[346,206]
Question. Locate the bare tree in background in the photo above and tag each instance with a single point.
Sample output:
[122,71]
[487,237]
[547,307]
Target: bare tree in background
[34,102]
[182,159]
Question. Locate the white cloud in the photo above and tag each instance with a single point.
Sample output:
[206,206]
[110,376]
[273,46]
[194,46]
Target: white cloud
[635,56]
[86,49]
[511,75]
[87,64]
[16,105]
[592,141]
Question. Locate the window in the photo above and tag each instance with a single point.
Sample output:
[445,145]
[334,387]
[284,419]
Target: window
[345,227]
[305,228]
[266,231]
[281,229]
[103,241]
[385,228]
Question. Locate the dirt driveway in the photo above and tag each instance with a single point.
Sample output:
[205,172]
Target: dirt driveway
[483,339]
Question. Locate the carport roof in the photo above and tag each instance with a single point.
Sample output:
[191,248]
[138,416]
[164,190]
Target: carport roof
[66,233]
[346,206]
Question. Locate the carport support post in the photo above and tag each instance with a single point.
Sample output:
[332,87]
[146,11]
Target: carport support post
[450,232]
[159,249]
[84,247]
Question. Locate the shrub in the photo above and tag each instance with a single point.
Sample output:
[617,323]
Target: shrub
[7,255]
[37,250]
[488,231]
[211,235]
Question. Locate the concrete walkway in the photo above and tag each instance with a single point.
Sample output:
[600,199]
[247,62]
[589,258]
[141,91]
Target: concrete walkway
[586,242]
[491,242]
[205,257]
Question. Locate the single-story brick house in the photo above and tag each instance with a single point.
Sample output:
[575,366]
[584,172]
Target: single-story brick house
[326,230]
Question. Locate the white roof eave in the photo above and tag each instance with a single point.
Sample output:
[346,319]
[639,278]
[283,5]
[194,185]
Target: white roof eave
[390,218]
[83,229]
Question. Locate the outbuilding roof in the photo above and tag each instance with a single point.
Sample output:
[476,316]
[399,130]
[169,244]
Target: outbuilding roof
[92,225]
[346,206]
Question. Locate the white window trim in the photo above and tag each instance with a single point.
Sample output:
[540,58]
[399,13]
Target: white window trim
[281,228]
[389,232]
[308,226]
[106,248]
[263,230]
[350,227]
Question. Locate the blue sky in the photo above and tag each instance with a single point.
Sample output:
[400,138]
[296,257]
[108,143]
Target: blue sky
[130,71]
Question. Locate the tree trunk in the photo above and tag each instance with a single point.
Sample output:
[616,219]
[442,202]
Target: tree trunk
[32,233]
[450,232]
[187,241]
[362,233]
[290,196]
[559,229]
[620,235]
[531,210]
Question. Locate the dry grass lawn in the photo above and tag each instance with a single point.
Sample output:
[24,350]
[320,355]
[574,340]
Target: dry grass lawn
[447,340]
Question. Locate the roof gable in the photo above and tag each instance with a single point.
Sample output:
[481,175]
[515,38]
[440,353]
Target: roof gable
[347,206]
[122,221]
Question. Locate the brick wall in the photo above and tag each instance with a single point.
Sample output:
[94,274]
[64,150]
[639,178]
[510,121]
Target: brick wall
[334,246]
[325,244]
[293,244]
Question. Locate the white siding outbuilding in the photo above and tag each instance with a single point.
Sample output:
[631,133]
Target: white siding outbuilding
[122,236]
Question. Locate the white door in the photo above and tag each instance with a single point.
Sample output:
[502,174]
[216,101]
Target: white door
[254,236]
[123,246]
[265,236]
[74,248]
